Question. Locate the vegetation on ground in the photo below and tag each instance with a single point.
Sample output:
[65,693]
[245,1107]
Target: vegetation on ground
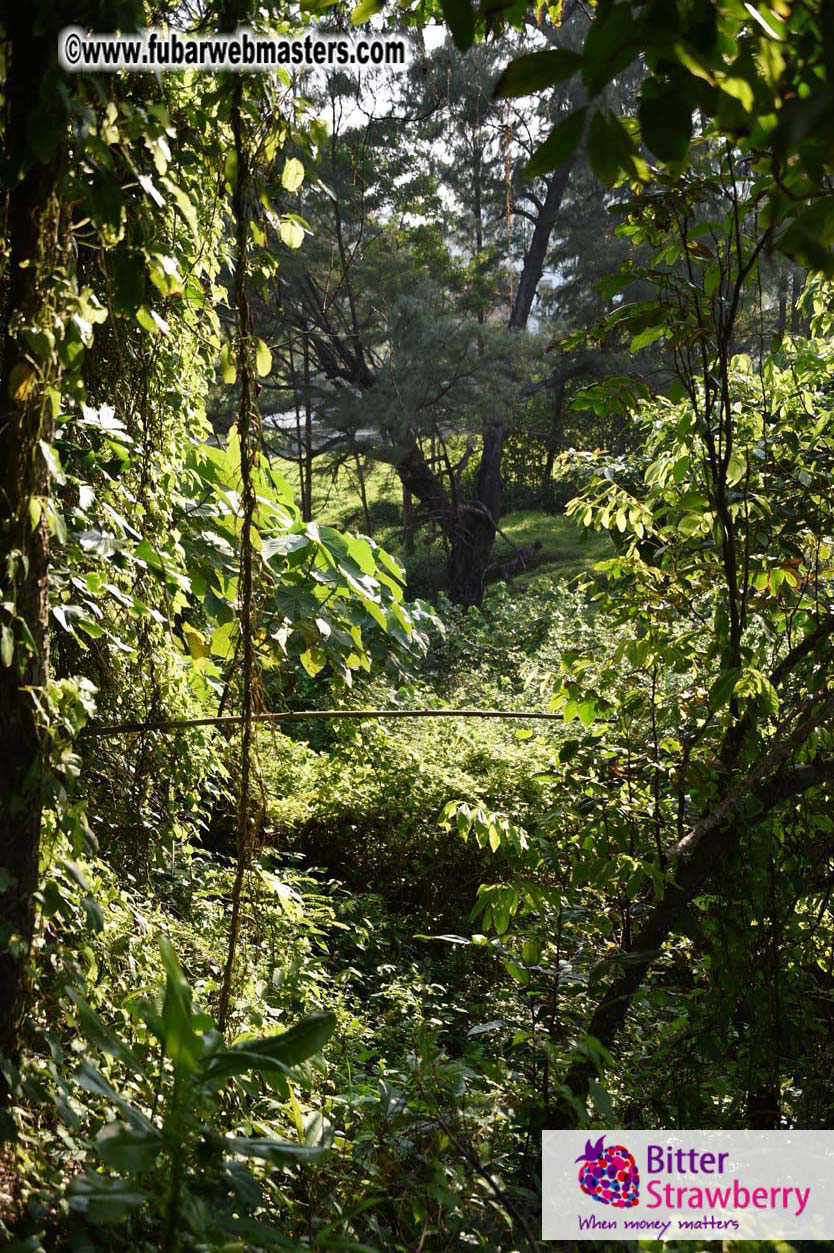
[500,385]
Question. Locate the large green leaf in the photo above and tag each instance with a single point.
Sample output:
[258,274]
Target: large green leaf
[611,148]
[301,1041]
[296,601]
[97,1032]
[293,174]
[92,1080]
[460,18]
[182,1043]
[666,122]
[231,1063]
[257,1234]
[127,1149]
[559,146]
[273,1150]
[273,1052]
[364,10]
[104,1201]
[809,237]
[609,45]
[536,70]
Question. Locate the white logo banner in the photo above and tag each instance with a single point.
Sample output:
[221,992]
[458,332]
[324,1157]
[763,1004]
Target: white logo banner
[688,1185]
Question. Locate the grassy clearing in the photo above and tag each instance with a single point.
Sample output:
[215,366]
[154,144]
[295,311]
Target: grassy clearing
[336,502]
[567,549]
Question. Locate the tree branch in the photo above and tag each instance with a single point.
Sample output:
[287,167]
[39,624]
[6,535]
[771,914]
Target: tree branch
[712,843]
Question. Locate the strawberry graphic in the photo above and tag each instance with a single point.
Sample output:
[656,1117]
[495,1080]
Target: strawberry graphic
[609,1175]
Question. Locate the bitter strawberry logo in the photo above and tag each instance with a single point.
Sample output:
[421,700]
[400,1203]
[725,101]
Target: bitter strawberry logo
[609,1175]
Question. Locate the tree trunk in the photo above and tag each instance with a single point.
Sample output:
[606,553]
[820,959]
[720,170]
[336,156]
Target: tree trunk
[473,534]
[703,853]
[764,1108]
[555,433]
[537,252]
[796,292]
[477,169]
[33,238]
[469,559]
[409,522]
[363,495]
[470,526]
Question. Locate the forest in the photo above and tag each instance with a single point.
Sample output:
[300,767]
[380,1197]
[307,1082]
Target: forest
[417,615]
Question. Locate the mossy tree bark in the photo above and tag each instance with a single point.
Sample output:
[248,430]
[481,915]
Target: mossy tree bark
[34,242]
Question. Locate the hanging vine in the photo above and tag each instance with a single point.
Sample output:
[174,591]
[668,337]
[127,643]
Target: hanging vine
[249,428]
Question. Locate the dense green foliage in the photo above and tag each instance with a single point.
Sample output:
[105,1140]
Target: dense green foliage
[275,367]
